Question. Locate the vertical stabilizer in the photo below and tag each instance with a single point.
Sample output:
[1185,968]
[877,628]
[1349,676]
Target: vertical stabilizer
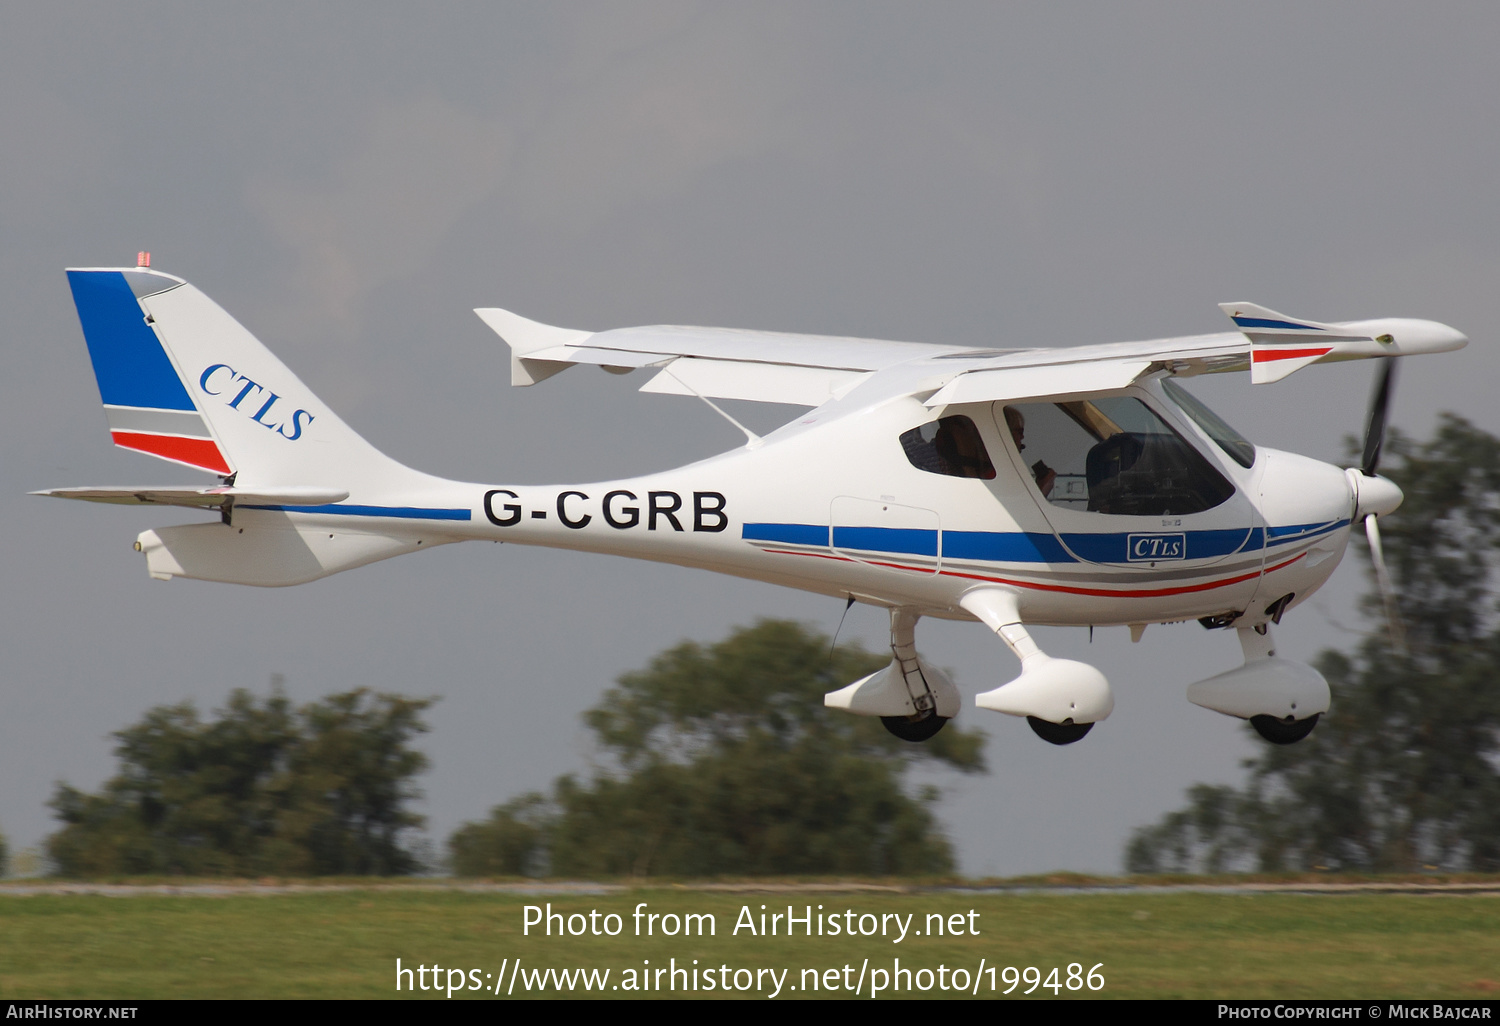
[184,381]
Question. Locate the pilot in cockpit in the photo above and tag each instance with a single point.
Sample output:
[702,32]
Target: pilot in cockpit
[1045,476]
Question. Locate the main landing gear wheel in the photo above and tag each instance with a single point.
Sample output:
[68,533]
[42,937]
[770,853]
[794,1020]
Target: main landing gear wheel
[914,730]
[1283,732]
[1058,733]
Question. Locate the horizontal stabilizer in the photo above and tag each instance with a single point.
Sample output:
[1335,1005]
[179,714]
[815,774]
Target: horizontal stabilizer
[203,498]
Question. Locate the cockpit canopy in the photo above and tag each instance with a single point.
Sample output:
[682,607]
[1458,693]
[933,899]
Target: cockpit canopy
[1111,455]
[1114,455]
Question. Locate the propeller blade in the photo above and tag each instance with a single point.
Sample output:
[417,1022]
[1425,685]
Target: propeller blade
[1383,580]
[1380,403]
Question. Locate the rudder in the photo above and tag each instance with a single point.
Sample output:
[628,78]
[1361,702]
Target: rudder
[148,407]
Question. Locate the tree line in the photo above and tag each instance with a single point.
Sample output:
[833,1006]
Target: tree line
[721,759]
[262,788]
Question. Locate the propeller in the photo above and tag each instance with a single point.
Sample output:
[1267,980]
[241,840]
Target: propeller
[1374,498]
[1380,403]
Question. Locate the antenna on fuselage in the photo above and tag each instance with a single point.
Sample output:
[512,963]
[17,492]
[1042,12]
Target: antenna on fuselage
[847,606]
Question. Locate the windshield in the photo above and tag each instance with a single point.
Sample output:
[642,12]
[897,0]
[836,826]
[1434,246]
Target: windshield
[1231,441]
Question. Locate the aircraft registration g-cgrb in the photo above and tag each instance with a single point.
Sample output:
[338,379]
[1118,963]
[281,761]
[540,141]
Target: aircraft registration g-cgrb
[1079,486]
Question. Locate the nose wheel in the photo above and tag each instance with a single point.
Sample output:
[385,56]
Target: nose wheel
[1058,733]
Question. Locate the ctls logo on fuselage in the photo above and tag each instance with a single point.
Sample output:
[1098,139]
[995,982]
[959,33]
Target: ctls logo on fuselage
[223,380]
[1148,548]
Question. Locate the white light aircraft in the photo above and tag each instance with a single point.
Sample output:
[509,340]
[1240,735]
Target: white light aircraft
[1079,486]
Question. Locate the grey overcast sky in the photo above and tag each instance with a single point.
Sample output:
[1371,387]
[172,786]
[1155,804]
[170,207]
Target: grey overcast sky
[349,180]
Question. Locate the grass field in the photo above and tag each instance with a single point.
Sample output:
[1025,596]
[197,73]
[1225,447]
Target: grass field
[345,943]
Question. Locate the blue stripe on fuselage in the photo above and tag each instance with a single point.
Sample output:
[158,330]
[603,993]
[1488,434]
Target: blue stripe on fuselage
[787,534]
[905,541]
[1300,532]
[1007,547]
[1029,546]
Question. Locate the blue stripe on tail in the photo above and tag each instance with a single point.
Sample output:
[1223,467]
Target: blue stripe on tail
[129,363]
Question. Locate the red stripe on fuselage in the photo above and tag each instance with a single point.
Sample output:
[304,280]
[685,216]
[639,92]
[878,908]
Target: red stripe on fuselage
[202,453]
[1066,589]
[1133,592]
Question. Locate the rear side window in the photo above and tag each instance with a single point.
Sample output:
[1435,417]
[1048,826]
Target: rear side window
[950,446]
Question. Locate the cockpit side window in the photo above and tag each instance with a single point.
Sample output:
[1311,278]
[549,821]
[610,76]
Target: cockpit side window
[950,446]
[1113,455]
[1236,445]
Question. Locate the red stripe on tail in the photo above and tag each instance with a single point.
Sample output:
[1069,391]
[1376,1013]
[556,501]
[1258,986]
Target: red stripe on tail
[202,453]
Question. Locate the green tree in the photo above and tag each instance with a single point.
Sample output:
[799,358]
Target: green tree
[1404,771]
[262,788]
[512,842]
[4,857]
[723,760]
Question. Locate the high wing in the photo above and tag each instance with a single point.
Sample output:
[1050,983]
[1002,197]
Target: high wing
[722,363]
[809,370]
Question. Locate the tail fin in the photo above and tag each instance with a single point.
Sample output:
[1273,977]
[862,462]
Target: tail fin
[184,381]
